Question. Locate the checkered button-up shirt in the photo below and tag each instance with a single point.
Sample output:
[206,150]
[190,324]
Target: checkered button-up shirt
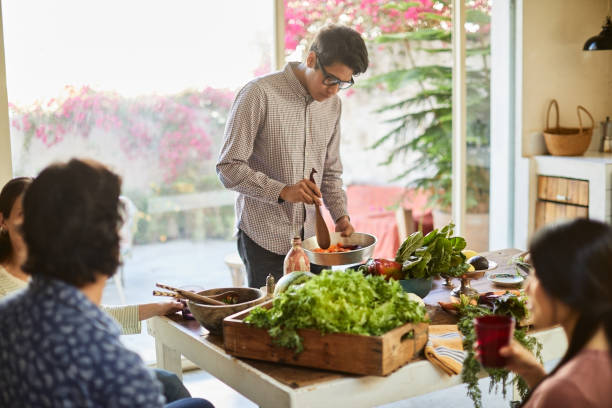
[275,135]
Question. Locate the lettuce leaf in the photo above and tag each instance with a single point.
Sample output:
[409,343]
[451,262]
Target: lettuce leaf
[337,302]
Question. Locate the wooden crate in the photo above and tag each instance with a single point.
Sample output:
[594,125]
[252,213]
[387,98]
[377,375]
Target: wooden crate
[350,353]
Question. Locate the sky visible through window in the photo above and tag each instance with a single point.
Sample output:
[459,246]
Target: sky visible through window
[132,47]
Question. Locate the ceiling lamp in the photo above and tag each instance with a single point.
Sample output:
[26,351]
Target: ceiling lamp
[602,41]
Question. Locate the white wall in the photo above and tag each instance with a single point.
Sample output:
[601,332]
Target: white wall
[553,65]
[6,170]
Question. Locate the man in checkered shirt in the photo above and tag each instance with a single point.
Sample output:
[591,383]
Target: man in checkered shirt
[281,126]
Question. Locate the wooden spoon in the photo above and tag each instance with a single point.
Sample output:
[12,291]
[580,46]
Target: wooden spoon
[321,228]
[220,296]
[191,295]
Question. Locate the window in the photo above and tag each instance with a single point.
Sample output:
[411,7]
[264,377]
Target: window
[397,119]
[144,87]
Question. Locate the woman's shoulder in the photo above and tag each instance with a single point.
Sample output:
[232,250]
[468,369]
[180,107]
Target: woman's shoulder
[583,381]
[589,362]
[9,283]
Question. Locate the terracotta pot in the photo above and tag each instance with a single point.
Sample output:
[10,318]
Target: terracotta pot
[476,228]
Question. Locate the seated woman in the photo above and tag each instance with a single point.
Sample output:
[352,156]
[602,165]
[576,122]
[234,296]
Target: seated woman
[571,287]
[61,349]
[13,278]
[13,254]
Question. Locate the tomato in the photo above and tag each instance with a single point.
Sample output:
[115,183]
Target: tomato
[386,268]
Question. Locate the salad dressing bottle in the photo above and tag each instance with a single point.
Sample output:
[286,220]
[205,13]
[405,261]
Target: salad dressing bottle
[296,259]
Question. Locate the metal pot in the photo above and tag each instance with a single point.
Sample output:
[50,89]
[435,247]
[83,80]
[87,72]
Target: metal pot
[367,242]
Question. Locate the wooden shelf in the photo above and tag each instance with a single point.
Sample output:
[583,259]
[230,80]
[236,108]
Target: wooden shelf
[561,198]
[565,187]
[563,190]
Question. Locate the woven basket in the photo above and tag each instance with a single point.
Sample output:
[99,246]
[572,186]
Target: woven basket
[563,141]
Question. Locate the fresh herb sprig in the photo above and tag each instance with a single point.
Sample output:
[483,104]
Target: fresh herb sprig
[508,305]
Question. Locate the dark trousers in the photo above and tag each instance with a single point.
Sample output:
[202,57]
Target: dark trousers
[260,262]
[190,403]
[173,387]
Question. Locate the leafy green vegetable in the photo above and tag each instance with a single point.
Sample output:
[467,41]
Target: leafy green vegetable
[507,305]
[437,253]
[337,302]
[521,266]
[409,245]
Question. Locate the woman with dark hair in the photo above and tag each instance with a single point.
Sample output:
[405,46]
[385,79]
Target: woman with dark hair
[60,349]
[12,248]
[13,253]
[571,286]
[13,278]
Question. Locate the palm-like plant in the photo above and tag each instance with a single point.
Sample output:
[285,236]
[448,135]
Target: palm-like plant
[422,121]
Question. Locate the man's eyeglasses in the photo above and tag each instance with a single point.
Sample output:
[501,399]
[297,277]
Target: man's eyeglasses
[330,80]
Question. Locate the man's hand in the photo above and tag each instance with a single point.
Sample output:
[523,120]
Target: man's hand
[344,226]
[304,191]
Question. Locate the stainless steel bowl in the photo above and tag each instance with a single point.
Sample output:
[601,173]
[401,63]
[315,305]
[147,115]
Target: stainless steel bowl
[366,241]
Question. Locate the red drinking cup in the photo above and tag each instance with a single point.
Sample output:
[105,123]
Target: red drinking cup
[493,332]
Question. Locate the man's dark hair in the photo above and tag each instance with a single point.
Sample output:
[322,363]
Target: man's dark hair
[9,194]
[70,222]
[337,43]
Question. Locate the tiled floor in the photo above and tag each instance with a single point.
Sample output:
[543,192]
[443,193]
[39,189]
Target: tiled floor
[186,263]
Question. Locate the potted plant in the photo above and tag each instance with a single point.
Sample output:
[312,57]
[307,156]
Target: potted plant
[422,121]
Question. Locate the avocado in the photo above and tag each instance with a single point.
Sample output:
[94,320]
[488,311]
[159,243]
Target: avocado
[479,262]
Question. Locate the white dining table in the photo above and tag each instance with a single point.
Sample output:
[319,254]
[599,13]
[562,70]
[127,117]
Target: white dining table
[276,385]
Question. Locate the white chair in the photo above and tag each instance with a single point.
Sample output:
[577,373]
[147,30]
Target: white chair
[126,241]
[236,267]
[405,223]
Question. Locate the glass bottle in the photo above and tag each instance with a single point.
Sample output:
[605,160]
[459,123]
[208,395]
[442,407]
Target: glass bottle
[296,259]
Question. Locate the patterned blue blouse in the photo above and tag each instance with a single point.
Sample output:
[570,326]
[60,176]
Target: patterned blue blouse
[58,349]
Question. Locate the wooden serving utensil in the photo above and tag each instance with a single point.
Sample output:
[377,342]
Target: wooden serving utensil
[167,294]
[321,228]
[229,294]
[191,295]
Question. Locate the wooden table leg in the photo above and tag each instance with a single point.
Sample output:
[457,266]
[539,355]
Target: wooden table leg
[167,358]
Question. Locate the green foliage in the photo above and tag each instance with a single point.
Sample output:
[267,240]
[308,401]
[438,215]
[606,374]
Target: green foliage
[437,253]
[507,305]
[401,6]
[337,302]
[207,223]
[192,224]
[423,120]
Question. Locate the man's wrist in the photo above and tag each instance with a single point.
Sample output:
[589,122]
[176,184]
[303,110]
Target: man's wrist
[344,216]
[280,195]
